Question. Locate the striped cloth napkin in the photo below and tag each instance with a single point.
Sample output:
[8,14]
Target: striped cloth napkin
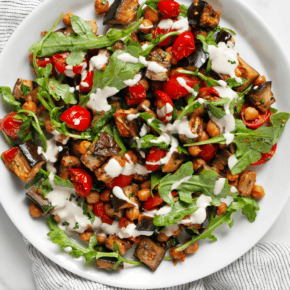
[265,267]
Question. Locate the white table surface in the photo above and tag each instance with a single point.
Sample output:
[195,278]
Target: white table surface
[15,265]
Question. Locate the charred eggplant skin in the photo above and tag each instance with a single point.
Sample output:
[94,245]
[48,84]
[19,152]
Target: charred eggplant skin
[195,12]
[29,150]
[38,199]
[223,36]
[145,224]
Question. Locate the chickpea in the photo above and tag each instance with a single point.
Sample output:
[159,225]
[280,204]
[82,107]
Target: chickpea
[259,81]
[258,192]
[66,19]
[222,146]
[174,71]
[48,126]
[144,106]
[30,106]
[221,209]
[84,146]
[251,114]
[198,113]
[101,6]
[203,137]
[130,156]
[162,238]
[57,218]
[134,36]
[177,255]
[85,236]
[212,129]
[234,183]
[192,248]
[90,207]
[132,213]
[101,238]
[105,195]
[93,197]
[216,170]
[176,232]
[119,45]
[144,194]
[151,15]
[146,26]
[146,184]
[145,84]
[197,162]
[230,177]
[93,23]
[194,150]
[35,211]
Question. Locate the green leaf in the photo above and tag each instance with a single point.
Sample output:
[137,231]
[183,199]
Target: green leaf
[46,188]
[155,179]
[47,208]
[232,83]
[24,127]
[59,90]
[9,98]
[215,109]
[151,121]
[62,182]
[148,142]
[80,26]
[25,89]
[75,57]
[220,139]
[209,81]
[184,11]
[190,107]
[241,99]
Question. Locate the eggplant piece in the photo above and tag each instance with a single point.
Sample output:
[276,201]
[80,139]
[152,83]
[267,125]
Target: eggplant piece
[149,253]
[122,12]
[106,146]
[123,245]
[125,127]
[107,263]
[202,168]
[145,223]
[174,162]
[201,14]
[246,183]
[196,60]
[220,160]
[223,36]
[118,204]
[261,97]
[38,199]
[17,93]
[29,150]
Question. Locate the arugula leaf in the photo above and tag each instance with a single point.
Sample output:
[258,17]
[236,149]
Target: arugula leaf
[232,83]
[169,180]
[209,81]
[146,142]
[241,99]
[46,188]
[190,107]
[75,58]
[25,89]
[62,182]
[215,110]
[58,90]
[155,176]
[80,26]
[184,12]
[151,121]
[47,208]
[9,98]
[24,127]
[88,213]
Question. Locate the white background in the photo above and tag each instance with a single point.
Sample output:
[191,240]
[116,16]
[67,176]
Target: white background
[15,265]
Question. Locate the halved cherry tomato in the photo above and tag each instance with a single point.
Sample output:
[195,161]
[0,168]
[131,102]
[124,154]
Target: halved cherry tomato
[164,106]
[87,83]
[207,151]
[209,91]
[160,31]
[136,95]
[154,202]
[169,8]
[99,210]
[76,117]
[10,126]
[82,181]
[122,222]
[43,62]
[154,156]
[266,156]
[183,46]
[174,89]
[258,122]
[121,181]
[61,65]
[8,156]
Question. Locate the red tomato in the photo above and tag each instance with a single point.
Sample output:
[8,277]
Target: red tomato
[174,89]
[61,65]
[169,8]
[137,95]
[134,240]
[8,156]
[183,46]
[43,62]
[160,31]
[121,181]
[164,106]
[82,181]
[87,83]
[258,122]
[10,126]
[76,117]
[99,210]
[207,151]
[266,156]
[154,156]
[209,91]
[122,222]
[153,202]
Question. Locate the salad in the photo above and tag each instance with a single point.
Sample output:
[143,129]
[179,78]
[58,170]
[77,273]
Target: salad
[140,141]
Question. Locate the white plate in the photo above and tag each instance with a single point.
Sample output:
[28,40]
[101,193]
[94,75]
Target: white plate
[257,45]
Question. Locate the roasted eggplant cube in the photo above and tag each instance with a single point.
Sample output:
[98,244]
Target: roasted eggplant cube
[30,150]
[123,245]
[201,14]
[125,127]
[106,146]
[246,183]
[149,253]
[107,264]
[122,12]
[174,162]
[220,161]
[17,92]
[223,36]
[34,195]
[145,223]
[261,97]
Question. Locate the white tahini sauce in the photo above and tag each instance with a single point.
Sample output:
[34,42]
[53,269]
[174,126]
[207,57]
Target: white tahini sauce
[182,82]
[176,184]
[167,109]
[58,137]
[51,151]
[152,65]
[132,117]
[98,61]
[232,161]
[127,57]
[132,82]
[219,185]
[119,193]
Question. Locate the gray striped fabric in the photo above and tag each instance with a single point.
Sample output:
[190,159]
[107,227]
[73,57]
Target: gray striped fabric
[266,266]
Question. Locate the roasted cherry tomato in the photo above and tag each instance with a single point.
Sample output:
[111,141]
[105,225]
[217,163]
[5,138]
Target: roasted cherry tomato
[209,91]
[99,210]
[164,106]
[67,70]
[8,156]
[76,117]
[154,156]
[121,181]
[266,156]
[82,181]
[160,31]
[258,122]
[174,90]
[169,8]
[136,95]
[10,126]
[183,46]
[122,222]
[43,62]
[155,201]
[207,151]
[87,83]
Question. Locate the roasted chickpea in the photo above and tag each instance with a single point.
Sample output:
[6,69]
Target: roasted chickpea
[93,197]
[151,15]
[259,81]
[194,150]
[94,26]
[119,45]
[48,126]
[192,248]
[145,84]
[132,213]
[101,6]
[176,232]
[230,177]
[177,255]
[85,236]
[66,19]
[144,106]
[101,238]
[234,183]
[203,137]
[251,114]
[146,26]
[162,238]
[90,207]
[146,184]
[222,146]
[105,195]
[57,218]
[258,192]
[84,146]
[144,194]
[212,129]
[197,162]
[221,209]
[198,113]
[30,106]
[35,211]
